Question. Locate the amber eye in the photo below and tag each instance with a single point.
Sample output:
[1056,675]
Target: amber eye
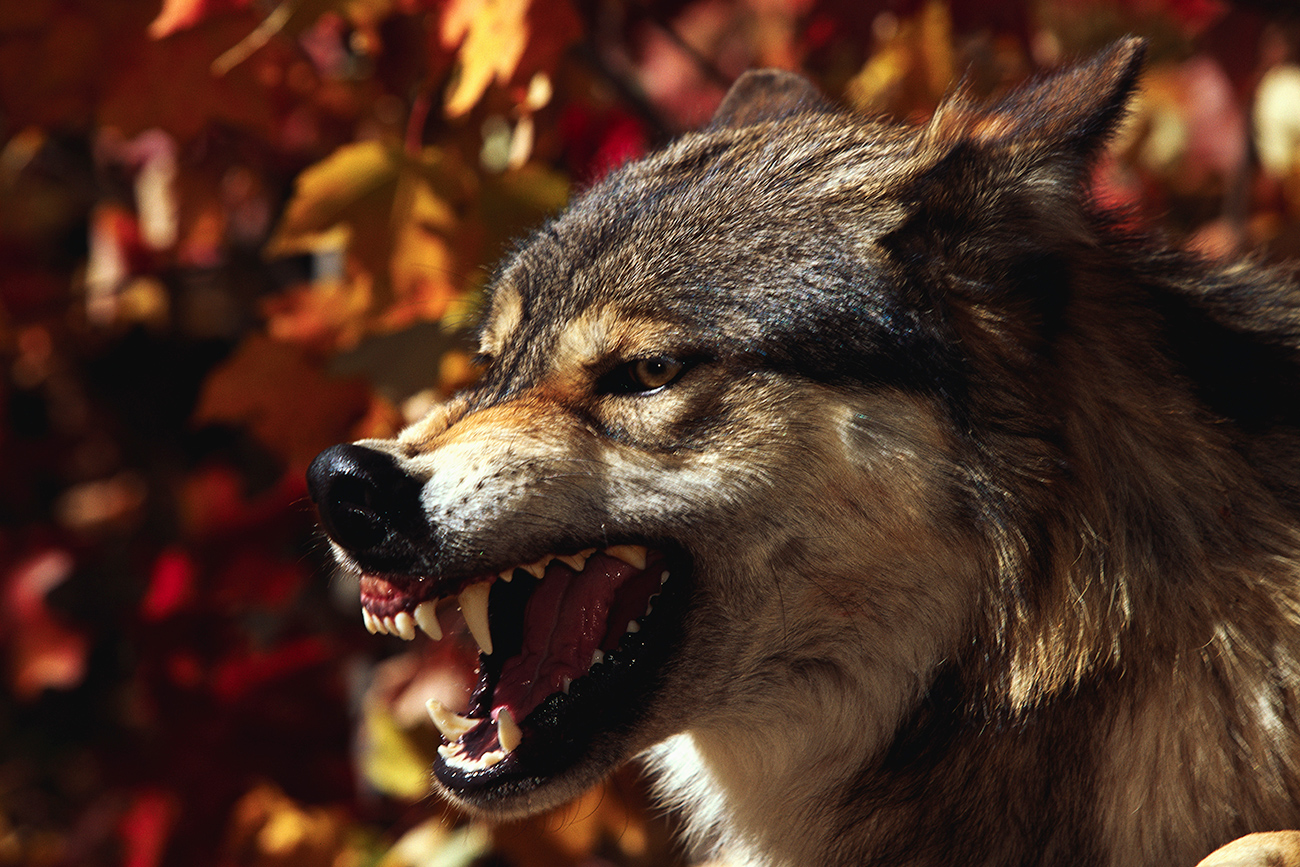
[648,374]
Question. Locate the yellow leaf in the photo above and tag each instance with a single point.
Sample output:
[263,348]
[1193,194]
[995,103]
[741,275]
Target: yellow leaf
[400,217]
[423,267]
[913,66]
[391,761]
[433,844]
[492,35]
[335,191]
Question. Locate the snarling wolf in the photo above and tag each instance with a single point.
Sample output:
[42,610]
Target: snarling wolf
[898,502]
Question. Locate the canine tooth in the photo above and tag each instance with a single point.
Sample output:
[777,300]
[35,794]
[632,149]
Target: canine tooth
[452,725]
[565,680]
[474,605]
[506,575]
[633,626]
[632,555]
[404,626]
[369,620]
[663,579]
[426,617]
[508,732]
[573,561]
[538,569]
[597,656]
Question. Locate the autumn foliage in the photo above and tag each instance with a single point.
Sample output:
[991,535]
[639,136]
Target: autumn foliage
[234,232]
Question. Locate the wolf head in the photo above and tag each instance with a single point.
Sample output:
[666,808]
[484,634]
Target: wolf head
[736,466]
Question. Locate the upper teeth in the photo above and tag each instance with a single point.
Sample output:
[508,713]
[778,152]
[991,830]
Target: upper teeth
[426,617]
[633,555]
[473,599]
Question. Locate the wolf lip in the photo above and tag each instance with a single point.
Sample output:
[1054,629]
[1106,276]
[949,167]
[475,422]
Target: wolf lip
[557,637]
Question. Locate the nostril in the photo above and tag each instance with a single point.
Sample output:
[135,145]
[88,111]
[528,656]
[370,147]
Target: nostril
[350,516]
[357,492]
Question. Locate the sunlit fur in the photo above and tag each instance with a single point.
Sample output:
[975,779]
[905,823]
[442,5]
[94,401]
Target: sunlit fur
[992,506]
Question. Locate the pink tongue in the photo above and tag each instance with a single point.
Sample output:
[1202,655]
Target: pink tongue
[564,624]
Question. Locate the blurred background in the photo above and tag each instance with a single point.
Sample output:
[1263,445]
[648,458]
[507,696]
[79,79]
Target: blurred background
[234,232]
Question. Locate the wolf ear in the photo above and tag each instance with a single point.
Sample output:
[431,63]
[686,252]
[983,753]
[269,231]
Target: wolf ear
[1061,120]
[766,95]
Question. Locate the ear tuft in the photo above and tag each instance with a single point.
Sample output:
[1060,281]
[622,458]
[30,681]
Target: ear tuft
[1067,115]
[762,95]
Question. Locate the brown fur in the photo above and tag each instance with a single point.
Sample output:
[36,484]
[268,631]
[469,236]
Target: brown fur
[990,506]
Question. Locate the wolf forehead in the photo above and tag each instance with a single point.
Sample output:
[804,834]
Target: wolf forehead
[741,238]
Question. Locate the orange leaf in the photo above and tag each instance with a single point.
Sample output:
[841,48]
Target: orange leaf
[291,405]
[45,654]
[180,14]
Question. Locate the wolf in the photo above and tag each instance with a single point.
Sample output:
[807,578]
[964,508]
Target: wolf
[895,500]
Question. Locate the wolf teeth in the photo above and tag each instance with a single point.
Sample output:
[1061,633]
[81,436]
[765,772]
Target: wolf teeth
[573,561]
[632,555]
[457,759]
[473,600]
[474,605]
[452,725]
[426,617]
[508,732]
[404,626]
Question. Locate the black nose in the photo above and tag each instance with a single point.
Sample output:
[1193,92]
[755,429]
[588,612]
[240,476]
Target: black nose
[369,506]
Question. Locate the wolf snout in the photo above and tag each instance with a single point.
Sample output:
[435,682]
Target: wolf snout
[370,507]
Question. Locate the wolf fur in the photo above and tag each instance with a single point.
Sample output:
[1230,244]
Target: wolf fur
[990,502]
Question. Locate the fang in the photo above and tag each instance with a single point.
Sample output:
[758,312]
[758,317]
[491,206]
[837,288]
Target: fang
[474,605]
[508,732]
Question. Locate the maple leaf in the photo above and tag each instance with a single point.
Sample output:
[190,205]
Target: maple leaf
[498,39]
[492,35]
[400,218]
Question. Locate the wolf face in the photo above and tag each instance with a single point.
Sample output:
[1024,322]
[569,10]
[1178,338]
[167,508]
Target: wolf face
[839,460]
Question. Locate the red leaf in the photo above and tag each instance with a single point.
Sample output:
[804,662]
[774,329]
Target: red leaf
[171,585]
[145,828]
[236,677]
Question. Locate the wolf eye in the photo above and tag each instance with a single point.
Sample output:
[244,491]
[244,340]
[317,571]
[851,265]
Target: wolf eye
[652,373]
[644,375]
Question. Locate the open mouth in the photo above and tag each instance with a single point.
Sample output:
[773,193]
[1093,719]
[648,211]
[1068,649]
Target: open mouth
[570,646]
